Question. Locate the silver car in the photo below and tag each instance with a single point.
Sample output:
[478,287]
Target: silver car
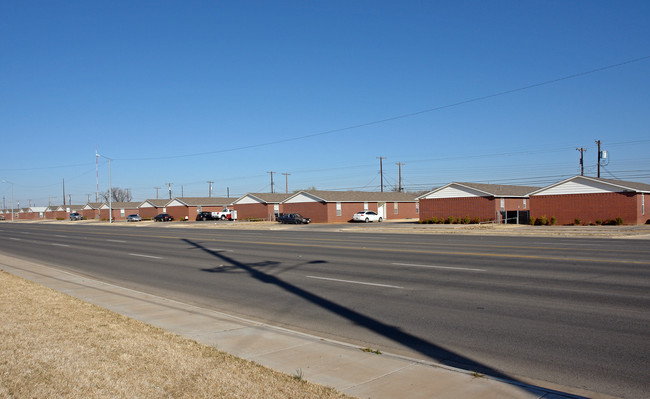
[76,216]
[134,218]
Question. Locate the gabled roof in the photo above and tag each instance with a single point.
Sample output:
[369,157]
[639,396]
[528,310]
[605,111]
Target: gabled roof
[483,190]
[93,205]
[266,198]
[356,196]
[118,205]
[202,201]
[71,207]
[156,203]
[594,184]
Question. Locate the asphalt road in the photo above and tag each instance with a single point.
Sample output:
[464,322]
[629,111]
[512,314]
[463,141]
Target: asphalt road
[572,312]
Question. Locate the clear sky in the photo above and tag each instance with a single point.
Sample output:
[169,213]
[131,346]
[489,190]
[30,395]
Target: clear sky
[196,91]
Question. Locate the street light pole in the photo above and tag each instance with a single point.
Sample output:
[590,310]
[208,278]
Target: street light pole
[110,189]
[12,198]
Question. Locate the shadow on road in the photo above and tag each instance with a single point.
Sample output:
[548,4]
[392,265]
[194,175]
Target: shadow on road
[426,348]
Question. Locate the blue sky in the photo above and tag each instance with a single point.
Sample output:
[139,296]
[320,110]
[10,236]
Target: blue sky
[189,92]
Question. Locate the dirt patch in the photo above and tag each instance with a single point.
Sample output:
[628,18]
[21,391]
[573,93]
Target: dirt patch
[55,346]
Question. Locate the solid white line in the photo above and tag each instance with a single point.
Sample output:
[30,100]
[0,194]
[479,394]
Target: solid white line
[15,239]
[115,240]
[440,267]
[60,245]
[59,235]
[354,282]
[146,256]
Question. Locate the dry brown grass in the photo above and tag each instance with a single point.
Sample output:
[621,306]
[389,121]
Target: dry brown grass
[56,346]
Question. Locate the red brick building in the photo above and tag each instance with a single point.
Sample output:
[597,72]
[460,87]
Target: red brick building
[589,199]
[152,207]
[486,202]
[189,207]
[120,210]
[340,206]
[91,210]
[265,206]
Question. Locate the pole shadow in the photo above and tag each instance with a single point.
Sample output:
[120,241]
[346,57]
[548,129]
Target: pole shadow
[396,334]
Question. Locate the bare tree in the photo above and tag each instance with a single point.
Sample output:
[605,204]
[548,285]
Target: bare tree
[119,195]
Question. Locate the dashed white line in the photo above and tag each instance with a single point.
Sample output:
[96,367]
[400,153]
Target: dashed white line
[355,282]
[59,235]
[146,256]
[15,239]
[60,245]
[115,240]
[440,267]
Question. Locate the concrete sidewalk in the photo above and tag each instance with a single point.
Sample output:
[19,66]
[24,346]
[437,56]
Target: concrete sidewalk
[344,367]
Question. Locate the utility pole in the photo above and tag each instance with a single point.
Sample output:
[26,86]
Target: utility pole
[228,192]
[69,200]
[598,162]
[582,164]
[88,198]
[182,191]
[210,183]
[30,203]
[170,189]
[399,164]
[157,188]
[63,192]
[286,182]
[271,181]
[381,172]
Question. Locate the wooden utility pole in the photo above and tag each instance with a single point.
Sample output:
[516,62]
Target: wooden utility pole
[210,192]
[63,192]
[157,188]
[271,181]
[582,164]
[381,172]
[399,187]
[598,163]
[170,189]
[286,182]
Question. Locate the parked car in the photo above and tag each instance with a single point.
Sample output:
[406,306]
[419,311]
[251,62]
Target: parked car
[206,216]
[293,218]
[76,216]
[134,218]
[366,216]
[163,217]
[2,217]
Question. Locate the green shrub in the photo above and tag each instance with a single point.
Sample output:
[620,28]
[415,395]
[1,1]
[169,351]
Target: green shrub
[619,221]
[60,218]
[542,221]
[476,220]
[450,220]
[553,220]
[577,222]
[533,221]
[467,220]
[599,222]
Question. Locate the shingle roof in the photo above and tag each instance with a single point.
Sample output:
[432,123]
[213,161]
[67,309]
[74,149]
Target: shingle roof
[158,203]
[271,198]
[362,196]
[501,190]
[641,187]
[130,205]
[205,201]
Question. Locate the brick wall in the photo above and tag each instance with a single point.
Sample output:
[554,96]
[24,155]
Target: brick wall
[258,210]
[316,211]
[587,207]
[484,208]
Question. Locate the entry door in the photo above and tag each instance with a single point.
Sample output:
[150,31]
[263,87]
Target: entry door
[381,210]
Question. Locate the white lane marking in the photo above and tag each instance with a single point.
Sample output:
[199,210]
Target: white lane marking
[60,245]
[355,282]
[24,232]
[440,267]
[146,256]
[59,235]
[15,239]
[115,240]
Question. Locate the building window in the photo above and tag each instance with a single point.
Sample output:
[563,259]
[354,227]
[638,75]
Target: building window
[365,206]
[121,212]
[199,209]
[396,208]
[417,208]
[338,209]
[642,204]
[524,203]
[503,204]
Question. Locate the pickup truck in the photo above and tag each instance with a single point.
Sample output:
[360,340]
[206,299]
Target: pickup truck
[225,214]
